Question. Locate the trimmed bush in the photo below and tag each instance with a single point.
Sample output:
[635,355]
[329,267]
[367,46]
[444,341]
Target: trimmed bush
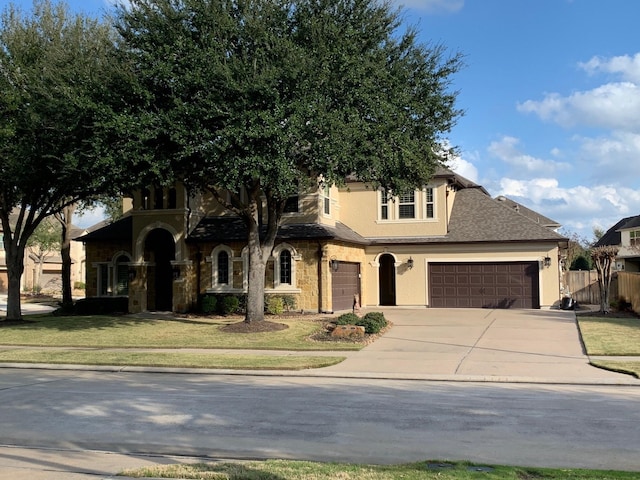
[209,304]
[79,285]
[347,319]
[101,305]
[275,306]
[373,322]
[289,302]
[228,304]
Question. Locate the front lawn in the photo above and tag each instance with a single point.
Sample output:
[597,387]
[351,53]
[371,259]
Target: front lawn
[46,340]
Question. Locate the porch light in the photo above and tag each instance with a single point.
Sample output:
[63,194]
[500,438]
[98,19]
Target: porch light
[547,262]
[334,264]
[410,263]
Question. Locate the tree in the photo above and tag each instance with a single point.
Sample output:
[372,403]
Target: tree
[251,100]
[56,72]
[65,218]
[603,259]
[577,252]
[44,241]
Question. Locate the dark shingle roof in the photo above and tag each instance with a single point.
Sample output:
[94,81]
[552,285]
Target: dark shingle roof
[612,236]
[119,230]
[476,217]
[226,229]
[527,212]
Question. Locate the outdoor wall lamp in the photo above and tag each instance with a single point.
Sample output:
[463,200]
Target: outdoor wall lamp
[334,264]
[410,263]
[547,262]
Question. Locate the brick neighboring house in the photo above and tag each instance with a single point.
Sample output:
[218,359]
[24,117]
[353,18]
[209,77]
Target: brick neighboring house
[626,235]
[447,245]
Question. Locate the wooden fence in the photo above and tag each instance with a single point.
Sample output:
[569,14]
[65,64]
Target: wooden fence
[583,286]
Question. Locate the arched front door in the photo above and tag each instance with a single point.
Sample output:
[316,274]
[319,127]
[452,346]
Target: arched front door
[160,250]
[387,280]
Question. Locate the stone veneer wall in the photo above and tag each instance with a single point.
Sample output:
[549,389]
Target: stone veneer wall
[102,252]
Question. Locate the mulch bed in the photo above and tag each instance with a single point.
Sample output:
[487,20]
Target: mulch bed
[254,327]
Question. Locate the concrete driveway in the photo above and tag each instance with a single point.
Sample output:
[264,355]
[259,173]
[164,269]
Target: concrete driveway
[479,345]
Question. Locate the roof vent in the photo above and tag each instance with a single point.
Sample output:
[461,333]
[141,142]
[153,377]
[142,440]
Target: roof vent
[501,198]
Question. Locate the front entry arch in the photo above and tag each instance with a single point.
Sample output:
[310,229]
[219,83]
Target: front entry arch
[387,280]
[159,251]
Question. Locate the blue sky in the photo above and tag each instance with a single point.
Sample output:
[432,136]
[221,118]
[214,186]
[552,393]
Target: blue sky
[551,94]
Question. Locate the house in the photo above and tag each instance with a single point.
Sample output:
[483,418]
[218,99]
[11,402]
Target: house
[447,245]
[626,235]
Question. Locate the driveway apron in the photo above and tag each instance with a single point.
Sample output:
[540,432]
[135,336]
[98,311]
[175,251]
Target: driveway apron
[480,344]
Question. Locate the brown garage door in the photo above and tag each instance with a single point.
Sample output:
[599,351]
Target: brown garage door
[484,285]
[345,283]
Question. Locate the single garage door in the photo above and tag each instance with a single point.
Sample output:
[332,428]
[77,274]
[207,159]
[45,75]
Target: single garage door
[345,283]
[484,285]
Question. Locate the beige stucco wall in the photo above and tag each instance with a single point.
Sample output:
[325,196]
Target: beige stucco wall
[412,284]
[359,207]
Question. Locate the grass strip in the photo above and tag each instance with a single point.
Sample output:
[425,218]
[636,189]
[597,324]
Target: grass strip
[627,367]
[168,359]
[130,332]
[300,470]
[610,336]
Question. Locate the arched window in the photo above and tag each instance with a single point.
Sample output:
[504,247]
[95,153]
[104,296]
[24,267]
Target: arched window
[285,267]
[113,276]
[223,268]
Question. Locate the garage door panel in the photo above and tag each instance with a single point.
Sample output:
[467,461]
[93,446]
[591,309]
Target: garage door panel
[484,285]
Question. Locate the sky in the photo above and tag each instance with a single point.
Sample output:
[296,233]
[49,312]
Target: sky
[551,95]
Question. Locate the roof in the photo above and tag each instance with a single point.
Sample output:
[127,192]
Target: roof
[121,229]
[613,236]
[476,217]
[527,212]
[225,229]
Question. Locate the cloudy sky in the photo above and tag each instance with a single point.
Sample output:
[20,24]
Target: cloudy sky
[551,94]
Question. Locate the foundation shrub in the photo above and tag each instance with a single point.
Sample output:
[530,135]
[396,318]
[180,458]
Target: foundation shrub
[373,322]
[101,305]
[209,304]
[347,319]
[228,304]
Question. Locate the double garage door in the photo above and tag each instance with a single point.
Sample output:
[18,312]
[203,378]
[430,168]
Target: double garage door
[484,285]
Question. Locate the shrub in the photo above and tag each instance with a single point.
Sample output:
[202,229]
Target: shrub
[228,304]
[209,304]
[372,322]
[289,302]
[101,305]
[79,285]
[347,319]
[275,305]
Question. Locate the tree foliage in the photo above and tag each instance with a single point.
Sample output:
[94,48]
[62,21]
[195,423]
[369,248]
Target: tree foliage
[253,99]
[56,72]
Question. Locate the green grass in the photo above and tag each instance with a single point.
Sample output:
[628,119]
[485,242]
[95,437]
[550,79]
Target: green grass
[92,336]
[299,470]
[132,332]
[612,336]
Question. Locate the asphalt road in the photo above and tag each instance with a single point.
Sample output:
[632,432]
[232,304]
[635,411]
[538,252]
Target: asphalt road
[374,421]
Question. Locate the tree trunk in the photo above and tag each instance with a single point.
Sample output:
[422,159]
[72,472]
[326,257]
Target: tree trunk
[256,280]
[65,219]
[15,269]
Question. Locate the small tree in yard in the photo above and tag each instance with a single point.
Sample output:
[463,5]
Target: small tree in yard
[251,100]
[42,244]
[603,259]
[56,72]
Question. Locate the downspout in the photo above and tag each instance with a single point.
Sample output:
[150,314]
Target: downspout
[319,255]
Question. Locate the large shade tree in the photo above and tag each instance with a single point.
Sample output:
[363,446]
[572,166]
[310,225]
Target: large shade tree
[56,76]
[251,100]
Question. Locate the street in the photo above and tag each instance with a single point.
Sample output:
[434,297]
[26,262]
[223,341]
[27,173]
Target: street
[373,421]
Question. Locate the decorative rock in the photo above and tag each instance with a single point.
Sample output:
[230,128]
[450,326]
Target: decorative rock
[348,331]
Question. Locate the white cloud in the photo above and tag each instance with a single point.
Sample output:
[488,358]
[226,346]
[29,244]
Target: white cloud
[432,6]
[464,168]
[612,106]
[626,66]
[612,158]
[578,208]
[507,149]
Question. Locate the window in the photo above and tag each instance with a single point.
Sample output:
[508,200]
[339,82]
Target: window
[384,206]
[172,199]
[635,238]
[430,204]
[407,206]
[291,205]
[113,277]
[223,268]
[326,200]
[285,267]
[158,201]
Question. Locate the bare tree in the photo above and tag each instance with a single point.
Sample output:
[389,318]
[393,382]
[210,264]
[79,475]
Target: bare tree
[603,258]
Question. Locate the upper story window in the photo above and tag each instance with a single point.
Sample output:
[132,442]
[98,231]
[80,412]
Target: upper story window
[635,238]
[429,211]
[384,205]
[326,200]
[407,206]
[291,205]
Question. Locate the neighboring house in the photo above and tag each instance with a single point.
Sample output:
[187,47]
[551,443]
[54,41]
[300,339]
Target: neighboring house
[447,245]
[49,278]
[626,235]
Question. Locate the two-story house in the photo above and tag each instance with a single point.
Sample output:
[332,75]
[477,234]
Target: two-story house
[626,236]
[448,244]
